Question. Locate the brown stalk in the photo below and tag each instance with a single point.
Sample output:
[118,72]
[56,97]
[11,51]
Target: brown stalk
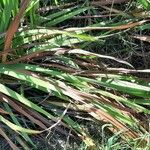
[37,54]
[12,145]
[28,57]
[86,65]
[121,27]
[13,28]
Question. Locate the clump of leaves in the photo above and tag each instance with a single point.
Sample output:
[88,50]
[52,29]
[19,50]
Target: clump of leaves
[49,63]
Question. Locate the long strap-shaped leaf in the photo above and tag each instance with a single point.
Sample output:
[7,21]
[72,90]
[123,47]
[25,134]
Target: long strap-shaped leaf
[13,28]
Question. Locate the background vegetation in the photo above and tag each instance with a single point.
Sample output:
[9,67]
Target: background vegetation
[74,75]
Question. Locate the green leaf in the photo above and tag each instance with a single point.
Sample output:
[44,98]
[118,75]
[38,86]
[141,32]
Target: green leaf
[145,4]
[66,16]
[16,127]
